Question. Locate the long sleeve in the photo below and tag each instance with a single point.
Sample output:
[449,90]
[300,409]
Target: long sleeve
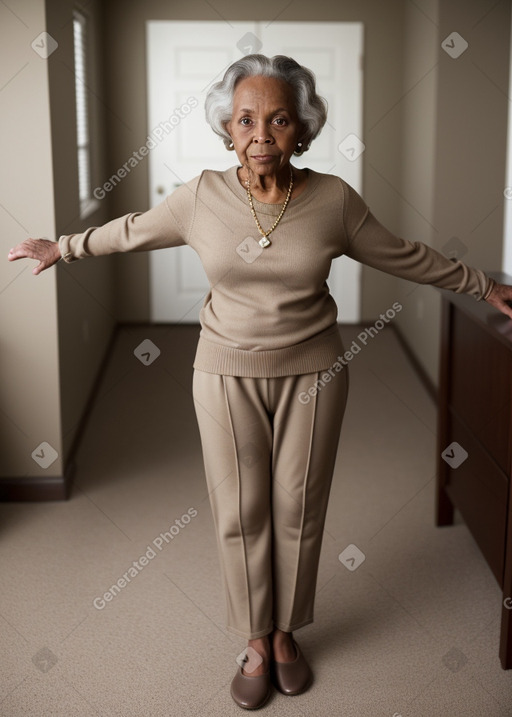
[372,244]
[165,225]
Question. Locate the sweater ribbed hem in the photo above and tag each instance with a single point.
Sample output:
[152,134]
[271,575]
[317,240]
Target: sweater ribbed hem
[315,354]
[490,286]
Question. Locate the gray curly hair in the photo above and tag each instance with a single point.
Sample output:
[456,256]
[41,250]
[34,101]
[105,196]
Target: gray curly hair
[311,108]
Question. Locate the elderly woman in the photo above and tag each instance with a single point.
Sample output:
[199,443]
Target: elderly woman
[266,233]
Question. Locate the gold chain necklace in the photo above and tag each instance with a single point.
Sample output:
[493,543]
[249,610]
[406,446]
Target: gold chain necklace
[265,241]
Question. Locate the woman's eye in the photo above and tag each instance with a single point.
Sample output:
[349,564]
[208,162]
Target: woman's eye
[280,121]
[245,121]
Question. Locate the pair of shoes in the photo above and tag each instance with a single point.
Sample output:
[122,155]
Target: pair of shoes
[292,678]
[251,692]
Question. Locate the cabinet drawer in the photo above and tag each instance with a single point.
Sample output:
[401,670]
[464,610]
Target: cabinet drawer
[480,383]
[479,489]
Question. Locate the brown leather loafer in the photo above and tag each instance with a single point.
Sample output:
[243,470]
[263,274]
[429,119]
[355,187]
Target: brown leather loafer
[250,692]
[292,678]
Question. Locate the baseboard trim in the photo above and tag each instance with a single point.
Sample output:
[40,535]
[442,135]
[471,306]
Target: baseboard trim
[32,488]
[42,488]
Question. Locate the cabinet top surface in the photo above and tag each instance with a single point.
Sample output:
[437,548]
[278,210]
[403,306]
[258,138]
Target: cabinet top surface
[489,318]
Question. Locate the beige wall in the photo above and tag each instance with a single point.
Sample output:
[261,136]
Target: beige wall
[29,362]
[419,319]
[86,300]
[47,365]
[471,143]
[454,148]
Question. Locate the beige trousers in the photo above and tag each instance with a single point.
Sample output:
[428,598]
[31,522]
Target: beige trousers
[269,449]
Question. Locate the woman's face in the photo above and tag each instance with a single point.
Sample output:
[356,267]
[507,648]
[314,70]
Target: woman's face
[264,126]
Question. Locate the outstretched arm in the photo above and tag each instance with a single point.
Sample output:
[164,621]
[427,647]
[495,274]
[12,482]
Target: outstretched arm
[162,226]
[370,243]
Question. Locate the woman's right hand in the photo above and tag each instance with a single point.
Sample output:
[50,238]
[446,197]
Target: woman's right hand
[43,250]
[500,294]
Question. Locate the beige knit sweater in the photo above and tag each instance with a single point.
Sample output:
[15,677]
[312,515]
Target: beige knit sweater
[269,312]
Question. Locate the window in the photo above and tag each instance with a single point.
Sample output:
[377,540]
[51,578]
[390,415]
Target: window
[87,203]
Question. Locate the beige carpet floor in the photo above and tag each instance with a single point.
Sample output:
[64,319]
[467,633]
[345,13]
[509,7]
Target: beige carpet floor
[413,631]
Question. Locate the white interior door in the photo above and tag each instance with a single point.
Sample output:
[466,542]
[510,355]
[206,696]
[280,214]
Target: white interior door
[183,60]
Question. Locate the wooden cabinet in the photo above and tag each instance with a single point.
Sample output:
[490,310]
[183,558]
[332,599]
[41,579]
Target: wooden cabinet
[475,418]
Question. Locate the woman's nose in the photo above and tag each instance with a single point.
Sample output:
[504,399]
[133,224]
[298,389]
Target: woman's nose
[262,134]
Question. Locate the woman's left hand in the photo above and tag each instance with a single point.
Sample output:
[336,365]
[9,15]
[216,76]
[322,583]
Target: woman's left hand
[498,296]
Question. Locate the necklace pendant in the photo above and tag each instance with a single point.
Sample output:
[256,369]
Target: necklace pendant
[264,242]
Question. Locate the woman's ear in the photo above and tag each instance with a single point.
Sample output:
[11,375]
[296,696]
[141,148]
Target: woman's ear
[227,127]
[302,143]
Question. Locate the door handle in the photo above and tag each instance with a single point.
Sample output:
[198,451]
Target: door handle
[161,189]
